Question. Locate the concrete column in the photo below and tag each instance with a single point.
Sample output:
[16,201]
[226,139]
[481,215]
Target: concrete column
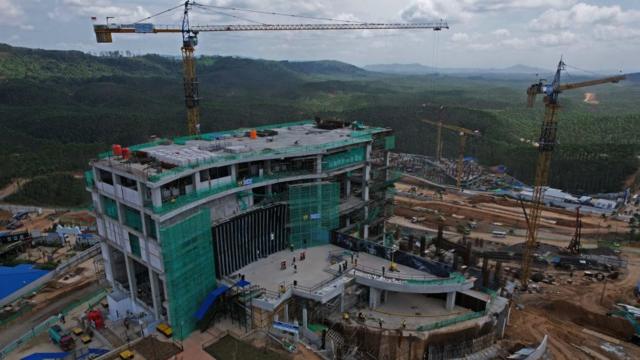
[365,232]
[106,256]
[305,319]
[374,298]
[196,181]
[133,290]
[347,187]
[156,197]
[155,294]
[319,164]
[384,296]
[234,172]
[286,312]
[451,300]
[140,189]
[342,301]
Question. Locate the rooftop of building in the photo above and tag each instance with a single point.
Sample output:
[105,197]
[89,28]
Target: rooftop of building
[163,157]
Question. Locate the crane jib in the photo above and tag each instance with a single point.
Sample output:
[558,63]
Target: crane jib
[151,28]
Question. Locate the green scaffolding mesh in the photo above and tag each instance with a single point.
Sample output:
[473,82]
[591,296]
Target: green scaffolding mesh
[110,207]
[88,178]
[132,218]
[313,213]
[344,158]
[390,142]
[134,242]
[187,251]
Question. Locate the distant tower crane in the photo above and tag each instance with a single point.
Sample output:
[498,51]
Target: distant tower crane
[546,145]
[190,40]
[463,133]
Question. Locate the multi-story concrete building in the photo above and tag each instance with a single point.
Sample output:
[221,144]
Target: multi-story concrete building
[176,216]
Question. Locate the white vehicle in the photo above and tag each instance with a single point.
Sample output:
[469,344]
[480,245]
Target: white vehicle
[499,233]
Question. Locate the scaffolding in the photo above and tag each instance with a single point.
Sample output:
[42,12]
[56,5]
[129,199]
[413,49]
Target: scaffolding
[313,213]
[187,251]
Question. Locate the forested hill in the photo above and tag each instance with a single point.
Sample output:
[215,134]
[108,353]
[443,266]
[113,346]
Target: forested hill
[25,63]
[60,108]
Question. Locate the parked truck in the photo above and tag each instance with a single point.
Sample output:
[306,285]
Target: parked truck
[61,338]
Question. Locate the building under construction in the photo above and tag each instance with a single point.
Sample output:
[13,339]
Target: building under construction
[280,224]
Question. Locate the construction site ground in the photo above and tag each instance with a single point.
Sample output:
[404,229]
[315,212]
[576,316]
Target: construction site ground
[574,317]
[77,284]
[427,207]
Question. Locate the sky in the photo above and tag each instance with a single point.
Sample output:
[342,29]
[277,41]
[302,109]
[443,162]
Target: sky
[602,35]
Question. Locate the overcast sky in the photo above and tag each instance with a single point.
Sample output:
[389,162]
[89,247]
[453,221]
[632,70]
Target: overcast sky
[590,34]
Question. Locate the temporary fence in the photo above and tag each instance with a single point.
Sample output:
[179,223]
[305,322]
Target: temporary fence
[187,250]
[313,213]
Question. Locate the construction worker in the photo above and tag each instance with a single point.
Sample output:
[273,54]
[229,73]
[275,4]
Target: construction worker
[380,322]
[404,323]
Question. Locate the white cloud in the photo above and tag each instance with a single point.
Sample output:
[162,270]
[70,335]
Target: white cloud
[99,8]
[615,32]
[559,39]
[502,33]
[429,10]
[582,14]
[10,13]
[460,37]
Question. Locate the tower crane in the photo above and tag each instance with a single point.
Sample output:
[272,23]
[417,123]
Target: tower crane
[190,41]
[463,133]
[546,145]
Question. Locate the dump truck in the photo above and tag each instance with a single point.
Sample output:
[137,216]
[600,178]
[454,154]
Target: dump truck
[61,338]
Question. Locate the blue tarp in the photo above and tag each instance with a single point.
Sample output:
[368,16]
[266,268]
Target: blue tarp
[14,278]
[242,283]
[62,355]
[209,300]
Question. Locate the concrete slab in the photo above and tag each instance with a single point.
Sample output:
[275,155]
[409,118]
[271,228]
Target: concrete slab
[415,309]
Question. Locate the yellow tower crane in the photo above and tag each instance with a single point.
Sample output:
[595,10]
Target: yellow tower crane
[546,145]
[463,133]
[190,40]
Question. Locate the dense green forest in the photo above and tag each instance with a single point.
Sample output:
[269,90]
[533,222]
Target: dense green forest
[60,108]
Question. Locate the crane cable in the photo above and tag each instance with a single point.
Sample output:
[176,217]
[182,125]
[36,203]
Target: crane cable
[279,14]
[160,13]
[229,15]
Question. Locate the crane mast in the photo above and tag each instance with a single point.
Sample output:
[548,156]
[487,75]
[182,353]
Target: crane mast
[190,41]
[462,133]
[546,145]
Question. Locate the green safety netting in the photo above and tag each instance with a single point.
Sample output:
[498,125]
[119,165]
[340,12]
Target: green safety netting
[390,142]
[132,218]
[110,207]
[451,321]
[187,251]
[88,178]
[151,226]
[134,242]
[344,158]
[313,213]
